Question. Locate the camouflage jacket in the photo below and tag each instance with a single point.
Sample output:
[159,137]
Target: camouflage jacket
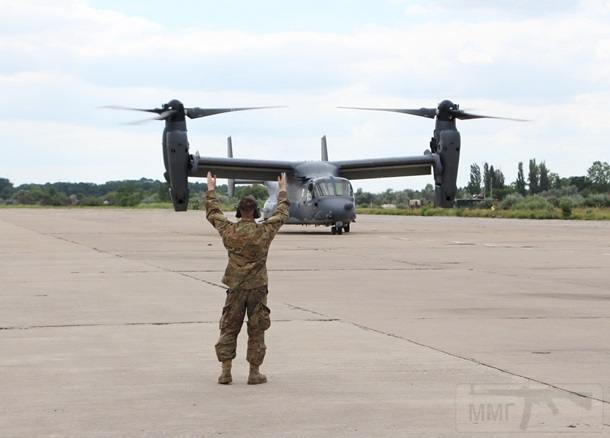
[247,242]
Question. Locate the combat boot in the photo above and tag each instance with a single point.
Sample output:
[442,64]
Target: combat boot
[225,378]
[255,377]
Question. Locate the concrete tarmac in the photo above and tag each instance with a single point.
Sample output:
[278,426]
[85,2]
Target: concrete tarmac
[407,326]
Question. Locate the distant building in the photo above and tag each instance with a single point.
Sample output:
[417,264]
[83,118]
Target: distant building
[388,206]
[415,203]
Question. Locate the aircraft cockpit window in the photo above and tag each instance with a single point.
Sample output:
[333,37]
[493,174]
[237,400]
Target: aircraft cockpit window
[333,188]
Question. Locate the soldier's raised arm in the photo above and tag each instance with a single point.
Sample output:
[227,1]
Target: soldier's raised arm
[280,214]
[213,212]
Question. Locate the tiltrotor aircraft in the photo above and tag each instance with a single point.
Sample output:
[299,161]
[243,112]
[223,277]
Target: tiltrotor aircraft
[320,191]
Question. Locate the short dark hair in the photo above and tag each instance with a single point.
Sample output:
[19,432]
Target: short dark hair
[248,205]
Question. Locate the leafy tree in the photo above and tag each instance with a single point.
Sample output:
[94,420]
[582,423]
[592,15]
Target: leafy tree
[494,181]
[486,180]
[363,198]
[581,183]
[256,190]
[163,192]
[500,190]
[599,176]
[6,188]
[520,183]
[533,178]
[428,193]
[50,196]
[26,197]
[544,182]
[554,181]
[498,179]
[474,185]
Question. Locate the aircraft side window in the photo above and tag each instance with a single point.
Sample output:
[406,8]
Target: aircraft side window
[310,192]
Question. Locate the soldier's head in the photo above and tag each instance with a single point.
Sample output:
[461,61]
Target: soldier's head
[248,208]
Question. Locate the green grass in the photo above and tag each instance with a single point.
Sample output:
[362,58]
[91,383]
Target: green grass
[552,213]
[581,213]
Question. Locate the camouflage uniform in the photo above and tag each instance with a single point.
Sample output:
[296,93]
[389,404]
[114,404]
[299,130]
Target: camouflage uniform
[247,244]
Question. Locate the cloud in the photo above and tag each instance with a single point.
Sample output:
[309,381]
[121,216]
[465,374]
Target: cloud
[62,59]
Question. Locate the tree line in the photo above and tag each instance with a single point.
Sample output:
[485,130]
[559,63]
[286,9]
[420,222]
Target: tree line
[487,185]
[539,179]
[126,193]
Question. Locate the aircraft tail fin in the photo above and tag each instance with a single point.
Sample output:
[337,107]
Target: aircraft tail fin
[324,149]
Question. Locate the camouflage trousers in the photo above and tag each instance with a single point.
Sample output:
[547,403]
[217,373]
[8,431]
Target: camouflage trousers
[238,303]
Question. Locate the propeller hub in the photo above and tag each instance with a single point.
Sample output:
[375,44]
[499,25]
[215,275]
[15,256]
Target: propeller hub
[173,111]
[446,110]
[174,105]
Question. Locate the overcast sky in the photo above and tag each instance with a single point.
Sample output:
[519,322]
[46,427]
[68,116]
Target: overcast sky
[544,60]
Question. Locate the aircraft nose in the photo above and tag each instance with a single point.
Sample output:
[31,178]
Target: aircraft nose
[340,209]
[333,208]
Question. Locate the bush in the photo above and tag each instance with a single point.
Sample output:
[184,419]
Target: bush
[533,203]
[564,191]
[597,200]
[566,205]
[91,201]
[509,202]
[485,203]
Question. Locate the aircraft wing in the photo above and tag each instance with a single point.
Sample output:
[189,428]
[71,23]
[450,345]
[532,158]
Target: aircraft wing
[388,167]
[240,168]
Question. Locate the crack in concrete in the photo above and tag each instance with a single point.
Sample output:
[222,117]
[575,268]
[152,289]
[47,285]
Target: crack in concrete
[211,283]
[303,309]
[74,242]
[136,271]
[448,353]
[154,323]
[100,251]
[132,271]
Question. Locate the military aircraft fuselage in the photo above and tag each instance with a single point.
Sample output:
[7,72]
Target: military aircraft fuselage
[317,196]
[320,191]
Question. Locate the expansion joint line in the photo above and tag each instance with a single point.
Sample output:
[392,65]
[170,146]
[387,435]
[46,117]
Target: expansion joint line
[445,352]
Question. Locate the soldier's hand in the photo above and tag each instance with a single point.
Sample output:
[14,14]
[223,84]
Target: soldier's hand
[281,181]
[211,182]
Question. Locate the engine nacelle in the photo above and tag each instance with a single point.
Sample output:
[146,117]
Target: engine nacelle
[449,151]
[176,150]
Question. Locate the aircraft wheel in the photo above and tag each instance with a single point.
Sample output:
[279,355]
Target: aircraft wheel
[346,228]
[333,230]
[339,230]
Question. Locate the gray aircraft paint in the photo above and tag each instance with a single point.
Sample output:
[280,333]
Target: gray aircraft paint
[338,211]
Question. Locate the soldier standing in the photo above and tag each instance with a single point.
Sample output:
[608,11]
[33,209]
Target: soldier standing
[247,244]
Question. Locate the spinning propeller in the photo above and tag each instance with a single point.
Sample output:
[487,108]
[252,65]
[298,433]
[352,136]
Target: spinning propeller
[175,111]
[446,111]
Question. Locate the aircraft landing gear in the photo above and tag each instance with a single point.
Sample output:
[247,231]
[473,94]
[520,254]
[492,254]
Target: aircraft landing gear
[346,227]
[338,228]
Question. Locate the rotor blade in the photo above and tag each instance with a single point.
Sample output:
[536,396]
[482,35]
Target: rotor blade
[117,107]
[164,115]
[196,112]
[429,113]
[462,115]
